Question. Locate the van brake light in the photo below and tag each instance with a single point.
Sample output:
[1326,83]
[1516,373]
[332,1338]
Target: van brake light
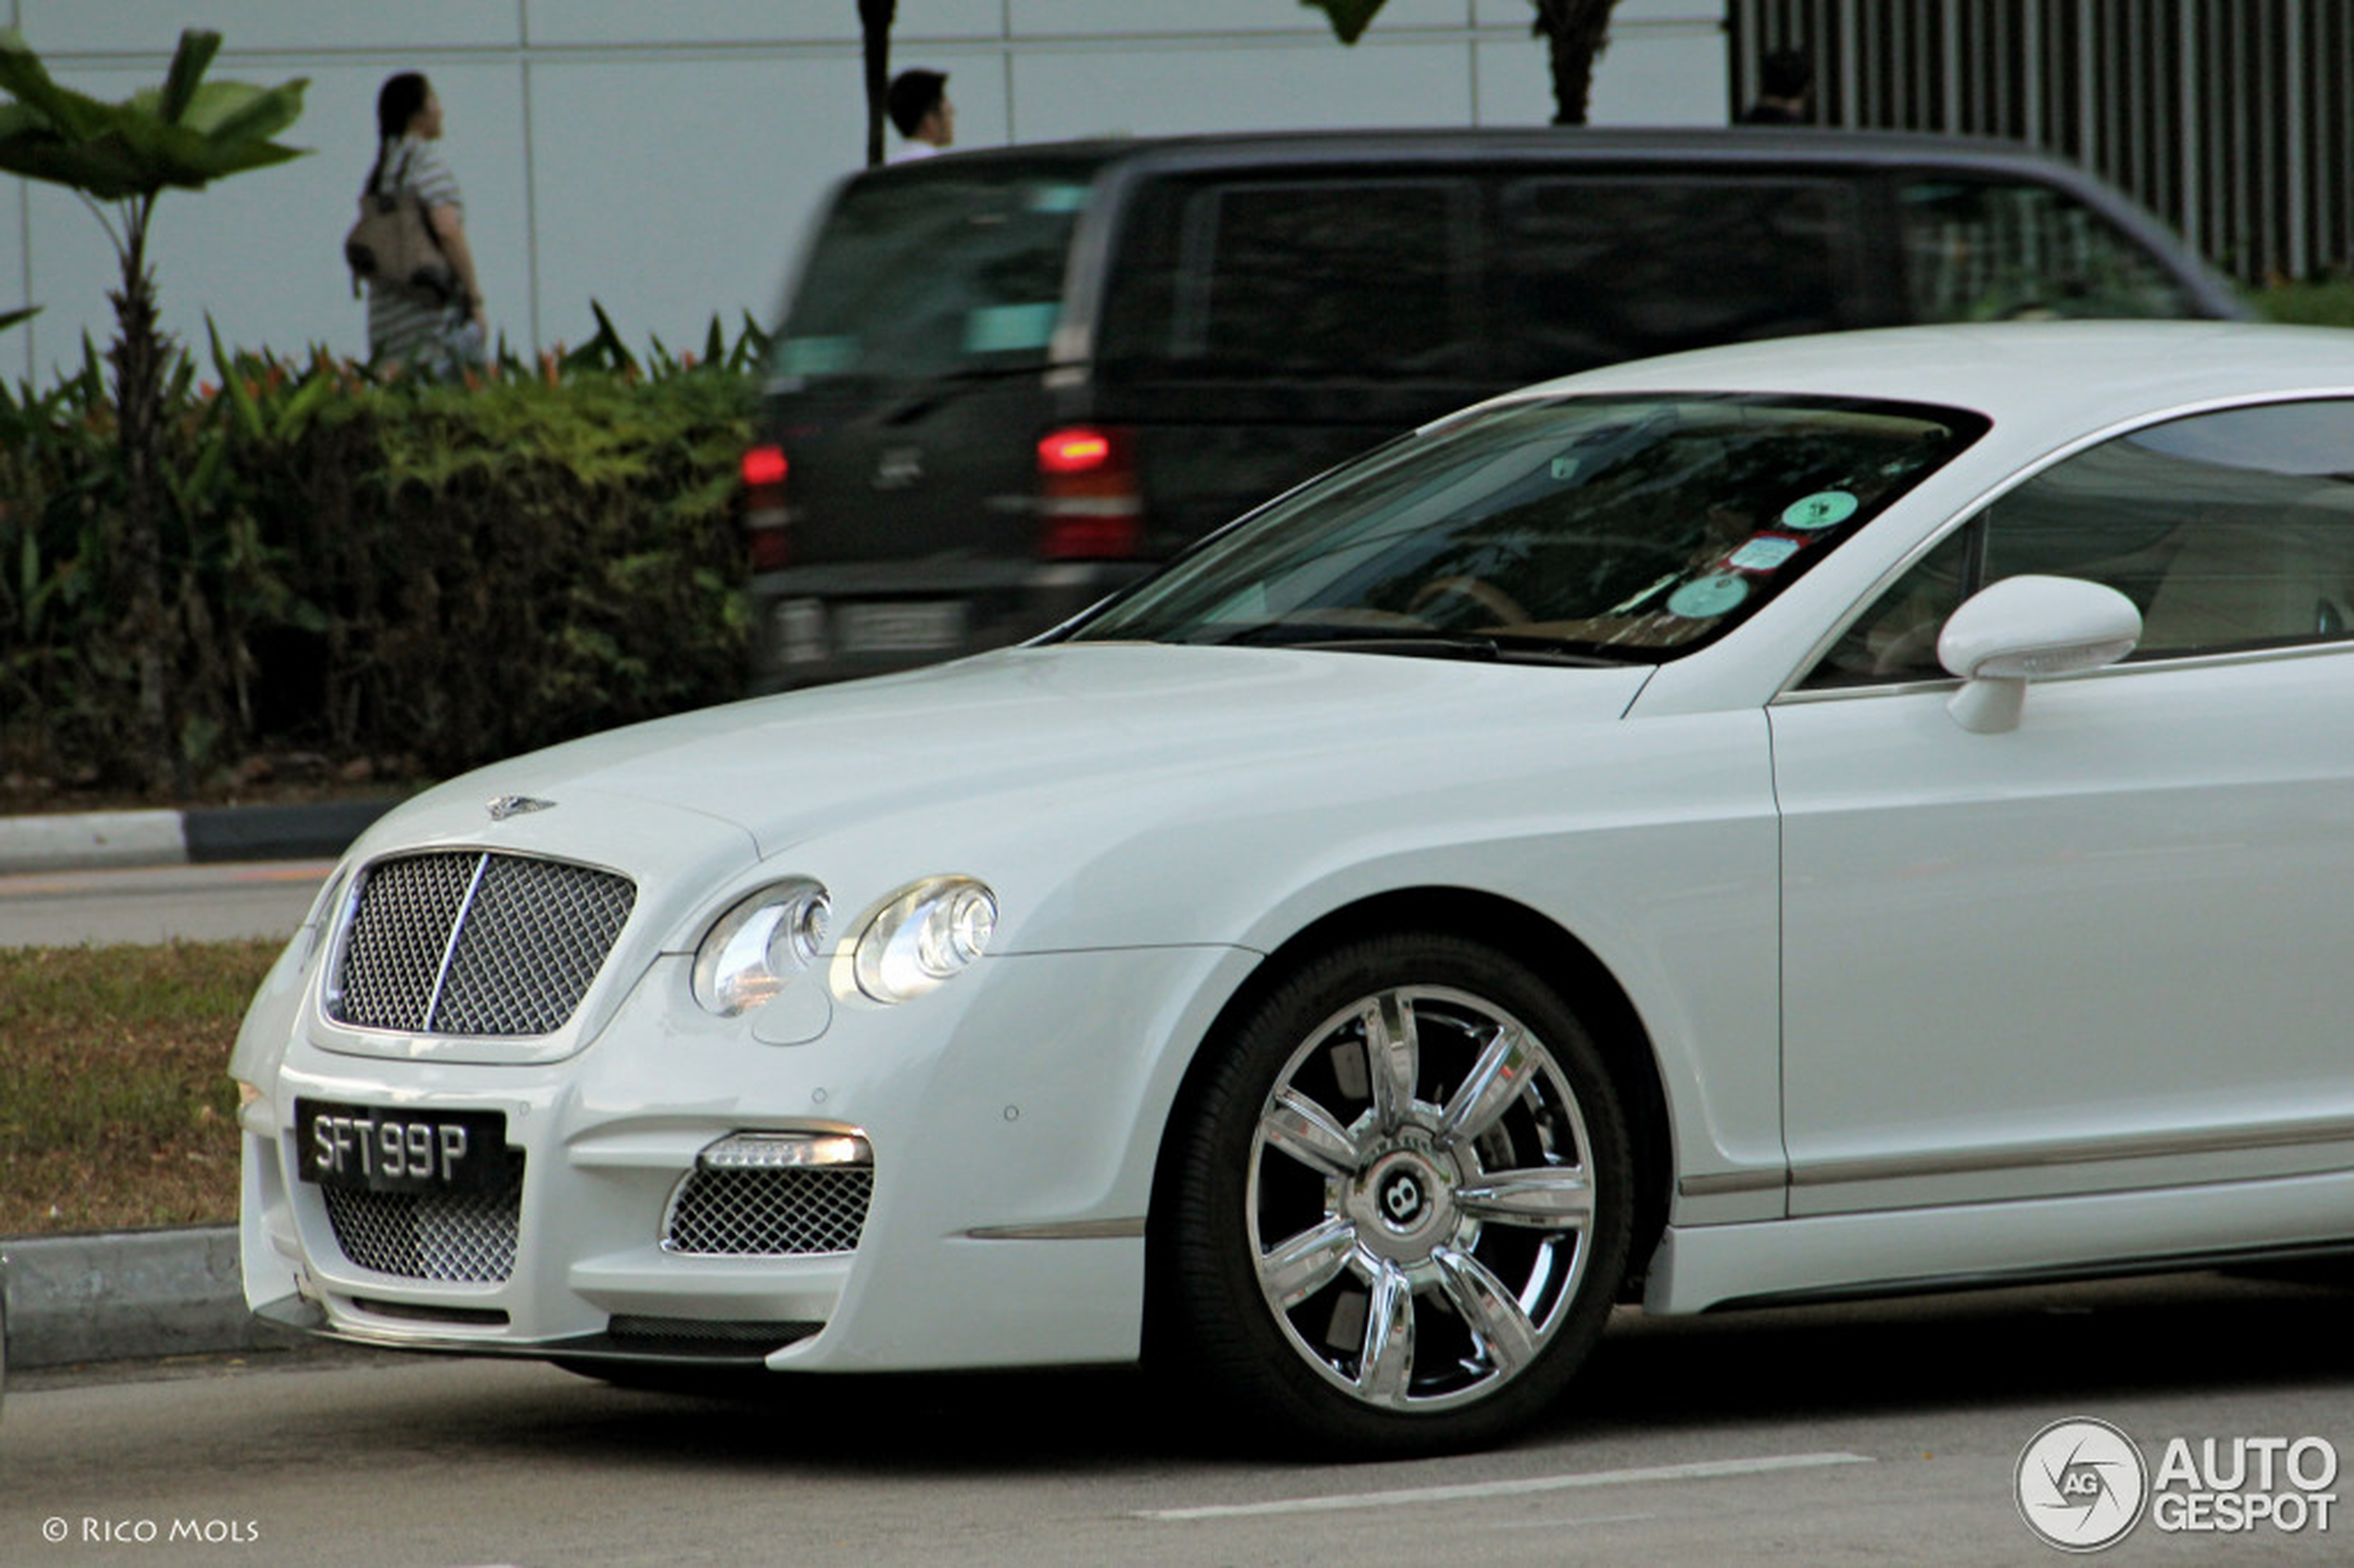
[1089,495]
[768,540]
[763,468]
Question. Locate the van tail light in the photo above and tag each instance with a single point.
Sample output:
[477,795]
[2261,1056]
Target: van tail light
[767,539]
[1088,494]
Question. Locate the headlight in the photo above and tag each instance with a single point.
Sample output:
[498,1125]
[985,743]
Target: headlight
[923,936]
[759,945]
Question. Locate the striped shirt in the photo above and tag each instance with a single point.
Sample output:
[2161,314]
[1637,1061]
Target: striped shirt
[404,323]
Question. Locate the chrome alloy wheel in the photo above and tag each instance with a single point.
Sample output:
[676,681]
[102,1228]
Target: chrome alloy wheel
[1418,1198]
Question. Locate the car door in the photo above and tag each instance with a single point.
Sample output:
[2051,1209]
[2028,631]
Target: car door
[2106,950]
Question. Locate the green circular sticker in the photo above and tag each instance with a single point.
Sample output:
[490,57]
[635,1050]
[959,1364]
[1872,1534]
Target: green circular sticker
[1824,509]
[1705,597]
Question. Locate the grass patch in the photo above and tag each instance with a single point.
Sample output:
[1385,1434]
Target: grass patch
[116,1109]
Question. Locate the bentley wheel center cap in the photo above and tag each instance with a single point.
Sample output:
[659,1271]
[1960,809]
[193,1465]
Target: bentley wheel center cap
[1403,1195]
[1403,1198]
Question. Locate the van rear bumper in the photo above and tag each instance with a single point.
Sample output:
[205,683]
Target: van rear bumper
[841,620]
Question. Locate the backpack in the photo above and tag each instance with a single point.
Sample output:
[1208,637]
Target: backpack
[394,242]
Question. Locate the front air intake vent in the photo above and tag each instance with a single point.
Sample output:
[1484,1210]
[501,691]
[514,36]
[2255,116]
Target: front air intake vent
[468,943]
[795,1212]
[458,1238]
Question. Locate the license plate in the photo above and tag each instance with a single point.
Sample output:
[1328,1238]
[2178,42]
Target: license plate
[917,626]
[380,1149]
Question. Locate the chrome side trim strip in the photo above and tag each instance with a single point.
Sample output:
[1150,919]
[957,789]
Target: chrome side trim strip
[1733,1181]
[2045,1274]
[1795,697]
[2096,1151]
[1076,1230]
[2032,1157]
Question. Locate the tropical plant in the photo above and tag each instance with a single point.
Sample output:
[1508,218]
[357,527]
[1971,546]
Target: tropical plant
[185,133]
[1576,32]
[403,576]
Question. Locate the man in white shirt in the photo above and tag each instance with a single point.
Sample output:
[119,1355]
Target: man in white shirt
[919,106]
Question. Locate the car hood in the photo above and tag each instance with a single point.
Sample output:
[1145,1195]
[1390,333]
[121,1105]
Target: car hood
[956,737]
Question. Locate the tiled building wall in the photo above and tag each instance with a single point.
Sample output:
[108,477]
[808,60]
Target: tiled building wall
[664,159]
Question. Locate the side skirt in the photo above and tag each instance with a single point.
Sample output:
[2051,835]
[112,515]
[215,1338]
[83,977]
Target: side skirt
[1901,1252]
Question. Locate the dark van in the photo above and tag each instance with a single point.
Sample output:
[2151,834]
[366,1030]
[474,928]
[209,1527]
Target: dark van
[1007,381]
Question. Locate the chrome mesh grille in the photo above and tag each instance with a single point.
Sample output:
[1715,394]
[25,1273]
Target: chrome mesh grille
[472,943]
[456,1237]
[793,1212]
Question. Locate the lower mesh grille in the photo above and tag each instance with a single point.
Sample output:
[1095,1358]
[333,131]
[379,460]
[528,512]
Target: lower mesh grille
[462,1238]
[792,1212]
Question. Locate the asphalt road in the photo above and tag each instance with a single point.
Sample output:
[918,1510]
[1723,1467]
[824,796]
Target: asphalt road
[1881,1434]
[99,907]
[1886,1433]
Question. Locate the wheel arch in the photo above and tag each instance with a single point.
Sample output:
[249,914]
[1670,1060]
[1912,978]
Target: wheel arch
[1551,954]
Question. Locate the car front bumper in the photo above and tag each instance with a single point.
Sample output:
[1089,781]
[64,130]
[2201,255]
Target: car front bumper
[1013,1117]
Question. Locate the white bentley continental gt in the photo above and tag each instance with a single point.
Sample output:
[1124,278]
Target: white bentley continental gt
[1835,816]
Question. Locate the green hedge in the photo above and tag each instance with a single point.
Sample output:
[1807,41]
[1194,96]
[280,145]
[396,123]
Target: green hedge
[2320,302]
[428,575]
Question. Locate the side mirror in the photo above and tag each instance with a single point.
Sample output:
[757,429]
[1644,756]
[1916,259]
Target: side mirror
[2025,628]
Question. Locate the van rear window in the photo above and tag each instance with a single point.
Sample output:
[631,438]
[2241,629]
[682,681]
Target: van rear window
[933,273]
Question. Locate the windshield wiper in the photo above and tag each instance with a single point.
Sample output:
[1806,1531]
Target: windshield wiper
[1500,647]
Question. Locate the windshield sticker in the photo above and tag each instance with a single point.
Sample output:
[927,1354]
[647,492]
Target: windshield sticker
[1765,553]
[1824,509]
[1704,598]
[1000,329]
[1565,468]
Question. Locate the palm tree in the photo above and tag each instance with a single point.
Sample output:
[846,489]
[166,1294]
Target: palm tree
[187,133]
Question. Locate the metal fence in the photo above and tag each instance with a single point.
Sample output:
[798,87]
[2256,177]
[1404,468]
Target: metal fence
[2232,119]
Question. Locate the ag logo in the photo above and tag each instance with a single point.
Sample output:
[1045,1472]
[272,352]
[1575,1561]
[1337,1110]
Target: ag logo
[2081,1485]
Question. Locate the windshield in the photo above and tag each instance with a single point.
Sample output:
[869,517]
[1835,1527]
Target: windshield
[929,272]
[1628,530]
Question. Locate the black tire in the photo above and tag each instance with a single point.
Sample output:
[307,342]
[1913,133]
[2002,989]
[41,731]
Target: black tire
[1400,1262]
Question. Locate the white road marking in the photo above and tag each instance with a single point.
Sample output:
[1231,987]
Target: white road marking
[1408,1497]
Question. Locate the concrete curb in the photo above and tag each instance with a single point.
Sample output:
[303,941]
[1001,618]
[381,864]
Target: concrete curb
[125,1295]
[129,1294]
[201,836]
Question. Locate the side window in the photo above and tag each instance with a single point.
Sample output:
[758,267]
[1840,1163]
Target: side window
[2228,531]
[1341,280]
[1978,250]
[1600,269]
